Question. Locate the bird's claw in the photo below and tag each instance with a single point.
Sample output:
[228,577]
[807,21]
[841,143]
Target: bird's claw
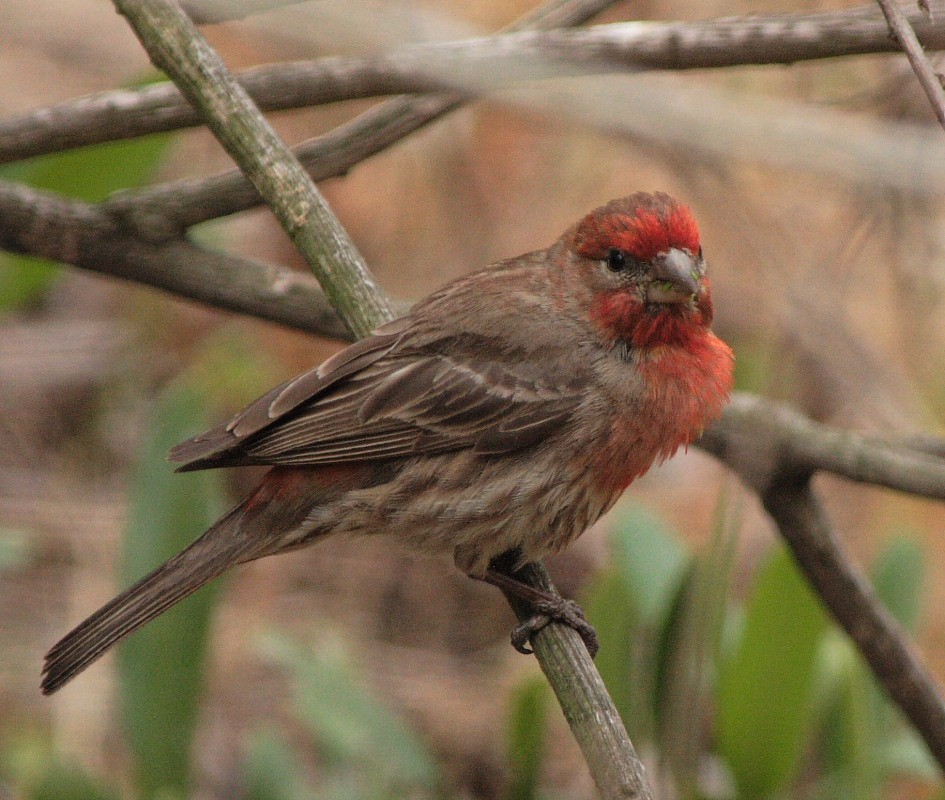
[564,611]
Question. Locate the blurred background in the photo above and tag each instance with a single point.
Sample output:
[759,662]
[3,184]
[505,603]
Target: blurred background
[355,670]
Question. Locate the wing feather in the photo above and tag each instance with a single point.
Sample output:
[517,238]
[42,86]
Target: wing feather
[388,397]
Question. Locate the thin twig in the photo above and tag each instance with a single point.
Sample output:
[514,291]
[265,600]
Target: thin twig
[182,204]
[187,203]
[931,82]
[882,155]
[472,66]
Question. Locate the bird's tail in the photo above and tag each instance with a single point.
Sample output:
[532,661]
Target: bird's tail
[226,543]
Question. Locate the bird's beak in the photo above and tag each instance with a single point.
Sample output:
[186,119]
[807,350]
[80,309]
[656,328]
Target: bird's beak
[675,278]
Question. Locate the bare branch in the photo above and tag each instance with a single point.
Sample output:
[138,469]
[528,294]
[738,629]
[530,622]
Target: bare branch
[41,224]
[903,31]
[773,443]
[880,155]
[182,204]
[207,12]
[472,66]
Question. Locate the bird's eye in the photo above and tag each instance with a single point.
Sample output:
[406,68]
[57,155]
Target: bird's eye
[616,260]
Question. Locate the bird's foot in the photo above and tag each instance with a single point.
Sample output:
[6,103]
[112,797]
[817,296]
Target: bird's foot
[560,610]
[547,607]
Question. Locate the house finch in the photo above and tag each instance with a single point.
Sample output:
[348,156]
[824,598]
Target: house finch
[505,414]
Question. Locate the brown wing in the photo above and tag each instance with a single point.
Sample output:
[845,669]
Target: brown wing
[387,398]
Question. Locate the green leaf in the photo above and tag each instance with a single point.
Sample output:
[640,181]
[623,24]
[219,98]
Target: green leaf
[92,173]
[30,769]
[23,279]
[88,173]
[847,703]
[65,782]
[898,576]
[273,772]
[865,739]
[649,557]
[349,723]
[610,606]
[527,728]
[690,644]
[629,604]
[765,688]
[904,753]
[161,666]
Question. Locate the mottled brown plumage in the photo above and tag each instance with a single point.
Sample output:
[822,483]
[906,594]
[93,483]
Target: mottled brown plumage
[506,412]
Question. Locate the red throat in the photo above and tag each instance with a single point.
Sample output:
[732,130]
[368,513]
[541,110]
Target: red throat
[685,388]
[621,315]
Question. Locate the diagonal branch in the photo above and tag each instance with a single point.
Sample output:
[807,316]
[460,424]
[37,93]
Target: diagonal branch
[854,605]
[905,34]
[472,66]
[182,204]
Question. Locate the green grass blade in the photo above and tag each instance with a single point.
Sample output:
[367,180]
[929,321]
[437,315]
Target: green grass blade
[63,782]
[161,667]
[649,556]
[689,650]
[864,738]
[625,650]
[273,772]
[353,728]
[765,688]
[628,605]
[898,576]
[527,728]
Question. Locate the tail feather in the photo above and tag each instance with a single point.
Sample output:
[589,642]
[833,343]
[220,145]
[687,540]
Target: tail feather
[213,553]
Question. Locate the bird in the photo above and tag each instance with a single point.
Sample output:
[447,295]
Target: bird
[495,422]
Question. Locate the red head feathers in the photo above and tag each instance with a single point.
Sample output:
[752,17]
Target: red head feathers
[643,225]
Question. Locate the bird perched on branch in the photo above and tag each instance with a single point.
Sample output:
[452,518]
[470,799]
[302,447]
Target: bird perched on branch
[504,414]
